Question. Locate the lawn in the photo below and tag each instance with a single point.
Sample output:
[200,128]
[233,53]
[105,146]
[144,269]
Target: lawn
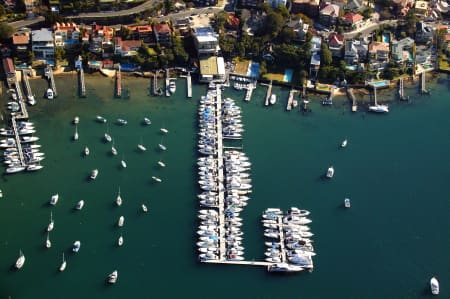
[443,63]
[274,77]
[241,67]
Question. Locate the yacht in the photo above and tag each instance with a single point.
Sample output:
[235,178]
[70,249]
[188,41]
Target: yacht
[162,147]
[121,221]
[113,149]
[344,143]
[14,169]
[147,121]
[330,172]
[31,100]
[20,261]
[86,151]
[434,286]
[48,244]
[76,246]
[156,179]
[120,240]
[141,147]
[75,135]
[144,208]
[118,199]
[172,87]
[1,193]
[161,163]
[347,203]
[100,119]
[79,205]
[379,108]
[123,163]
[51,225]
[94,174]
[164,130]
[54,199]
[121,121]
[49,94]
[273,99]
[76,120]
[112,278]
[63,265]
[108,137]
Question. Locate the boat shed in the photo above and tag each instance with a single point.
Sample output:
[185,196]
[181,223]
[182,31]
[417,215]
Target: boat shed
[10,71]
[212,69]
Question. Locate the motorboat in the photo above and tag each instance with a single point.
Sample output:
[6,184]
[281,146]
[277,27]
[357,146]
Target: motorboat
[63,264]
[141,147]
[27,139]
[121,121]
[164,130]
[118,199]
[76,246]
[48,244]
[108,137]
[298,212]
[112,278]
[379,108]
[20,261]
[86,151]
[172,87]
[15,169]
[100,119]
[49,94]
[51,224]
[144,208]
[330,172]
[147,121]
[162,147]
[344,143]
[161,163]
[347,203]
[76,120]
[54,199]
[123,163]
[434,286]
[284,267]
[120,241]
[156,179]
[75,135]
[94,174]
[121,221]
[113,149]
[79,205]
[273,99]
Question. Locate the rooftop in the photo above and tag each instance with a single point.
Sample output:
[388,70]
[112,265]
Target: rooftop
[353,18]
[378,46]
[208,66]
[21,38]
[330,10]
[42,35]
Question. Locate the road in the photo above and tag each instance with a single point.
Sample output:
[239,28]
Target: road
[26,22]
[368,29]
[109,14]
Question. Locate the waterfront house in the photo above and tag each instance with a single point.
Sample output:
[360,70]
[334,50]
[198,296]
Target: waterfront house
[101,41]
[42,44]
[300,29]
[355,20]
[205,41]
[66,34]
[316,42]
[232,23]
[424,33]
[314,65]
[401,50]
[308,7]
[421,8]
[126,48]
[329,14]
[21,44]
[355,51]
[143,33]
[335,44]
[163,34]
[378,55]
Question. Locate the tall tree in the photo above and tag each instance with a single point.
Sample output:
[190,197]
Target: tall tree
[6,31]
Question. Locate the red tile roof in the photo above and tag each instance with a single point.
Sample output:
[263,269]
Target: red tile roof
[20,39]
[353,18]
[162,28]
[335,39]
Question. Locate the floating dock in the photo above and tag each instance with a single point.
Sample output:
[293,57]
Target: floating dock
[290,99]
[82,83]
[268,94]
[23,107]
[18,143]
[189,85]
[51,78]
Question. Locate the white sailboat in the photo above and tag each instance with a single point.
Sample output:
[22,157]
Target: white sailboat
[344,143]
[118,199]
[120,240]
[121,221]
[144,208]
[347,203]
[164,130]
[75,135]
[20,261]
[86,151]
[107,136]
[51,225]
[76,120]
[330,172]
[162,146]
[434,286]
[48,244]
[113,149]
[63,264]
[141,146]
[54,199]
[156,179]
[161,163]
[112,278]
[123,163]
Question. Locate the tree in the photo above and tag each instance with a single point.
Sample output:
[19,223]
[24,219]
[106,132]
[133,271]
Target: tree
[411,20]
[6,31]
[219,21]
[2,11]
[283,11]
[326,58]
[272,25]
[59,53]
[20,6]
[125,32]
[286,35]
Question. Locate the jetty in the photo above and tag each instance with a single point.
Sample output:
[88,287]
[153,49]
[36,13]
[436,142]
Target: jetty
[167,83]
[23,108]
[268,93]
[118,83]
[82,87]
[423,88]
[27,83]
[189,85]
[51,78]
[18,143]
[290,99]
[352,98]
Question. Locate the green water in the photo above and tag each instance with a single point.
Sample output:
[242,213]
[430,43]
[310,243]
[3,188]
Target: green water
[389,244]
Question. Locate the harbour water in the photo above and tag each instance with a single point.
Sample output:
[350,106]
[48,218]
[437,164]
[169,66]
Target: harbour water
[395,170]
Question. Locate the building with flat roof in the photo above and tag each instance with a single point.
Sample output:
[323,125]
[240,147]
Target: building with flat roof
[307,7]
[66,34]
[212,69]
[206,41]
[42,43]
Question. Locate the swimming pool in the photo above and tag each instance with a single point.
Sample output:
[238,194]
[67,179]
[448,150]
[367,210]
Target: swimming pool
[253,70]
[379,84]
[351,67]
[385,37]
[288,75]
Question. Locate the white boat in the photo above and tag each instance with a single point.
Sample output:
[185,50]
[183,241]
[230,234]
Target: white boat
[379,108]
[86,151]
[113,149]
[20,261]
[48,244]
[34,167]
[76,246]
[141,146]
[54,199]
[112,278]
[75,135]
[120,241]
[144,208]
[31,100]
[147,121]
[15,169]
[330,172]
[121,221]
[49,94]
[161,163]
[172,87]
[121,121]
[100,119]
[156,179]
[347,203]
[119,199]
[76,120]
[344,143]
[164,130]
[51,225]
[162,147]
[94,174]
[108,137]
[63,265]
[79,205]
[1,193]
[123,163]
[273,99]
[434,286]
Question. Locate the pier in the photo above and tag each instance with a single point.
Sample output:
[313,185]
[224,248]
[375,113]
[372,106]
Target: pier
[189,85]
[23,114]
[268,94]
[18,144]
[167,83]
[249,91]
[352,98]
[118,83]
[27,84]
[248,263]
[281,233]
[51,78]
[290,99]
[423,88]
[82,83]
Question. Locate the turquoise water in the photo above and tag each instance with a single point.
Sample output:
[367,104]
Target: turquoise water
[288,75]
[254,70]
[386,37]
[388,244]
[380,84]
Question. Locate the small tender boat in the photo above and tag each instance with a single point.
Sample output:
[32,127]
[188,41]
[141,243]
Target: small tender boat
[76,246]
[156,179]
[20,261]
[434,286]
[94,174]
[112,278]
[172,87]
[1,193]
[123,163]
[147,121]
[79,205]
[54,199]
[31,100]
[162,147]
[347,203]
[108,137]
[164,130]
[344,143]
[120,241]
[144,208]
[48,244]
[121,221]
[141,147]
[113,149]
[330,172]
[121,121]
[273,99]
[76,120]
[86,151]
[379,108]
[49,94]
[119,199]
[100,119]
[161,163]
[51,225]
[63,264]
